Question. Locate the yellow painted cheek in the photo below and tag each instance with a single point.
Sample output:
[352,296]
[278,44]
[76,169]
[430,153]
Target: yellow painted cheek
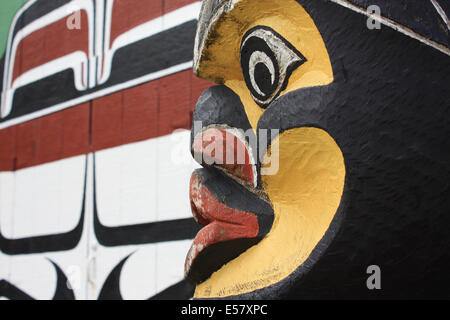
[291,21]
[305,193]
[307,187]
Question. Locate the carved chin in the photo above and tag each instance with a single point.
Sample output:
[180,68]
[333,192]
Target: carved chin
[233,220]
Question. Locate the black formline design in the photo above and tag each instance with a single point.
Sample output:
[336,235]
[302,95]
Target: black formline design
[166,49]
[111,287]
[62,292]
[47,243]
[136,56]
[146,233]
[11,292]
[110,290]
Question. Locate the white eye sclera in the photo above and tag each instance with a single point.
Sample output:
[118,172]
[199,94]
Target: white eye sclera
[267,61]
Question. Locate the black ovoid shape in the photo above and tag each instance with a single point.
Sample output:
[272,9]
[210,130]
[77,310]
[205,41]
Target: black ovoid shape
[270,83]
[111,288]
[181,229]
[261,76]
[62,292]
[47,243]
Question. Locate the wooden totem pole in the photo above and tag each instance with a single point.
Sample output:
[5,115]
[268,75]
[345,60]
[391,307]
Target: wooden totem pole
[325,148]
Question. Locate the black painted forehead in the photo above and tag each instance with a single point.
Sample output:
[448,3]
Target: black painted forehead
[426,18]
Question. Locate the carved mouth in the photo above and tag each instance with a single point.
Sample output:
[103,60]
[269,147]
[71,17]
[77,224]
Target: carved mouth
[233,218]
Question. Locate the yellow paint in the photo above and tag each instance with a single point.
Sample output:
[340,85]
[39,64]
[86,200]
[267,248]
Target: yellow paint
[306,193]
[220,60]
[307,189]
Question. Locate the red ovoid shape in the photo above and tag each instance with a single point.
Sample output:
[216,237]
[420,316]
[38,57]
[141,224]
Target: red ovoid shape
[227,150]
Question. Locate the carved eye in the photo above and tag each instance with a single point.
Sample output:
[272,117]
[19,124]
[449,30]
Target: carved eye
[267,61]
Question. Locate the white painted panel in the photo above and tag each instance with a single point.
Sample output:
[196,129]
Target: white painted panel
[125,184]
[7,186]
[145,181]
[5,266]
[131,176]
[138,281]
[170,262]
[175,167]
[47,199]
[34,274]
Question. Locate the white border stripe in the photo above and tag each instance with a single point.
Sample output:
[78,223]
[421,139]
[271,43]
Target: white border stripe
[97,94]
[441,12]
[395,26]
[167,21]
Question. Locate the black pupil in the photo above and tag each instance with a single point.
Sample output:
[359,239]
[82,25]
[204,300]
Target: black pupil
[263,78]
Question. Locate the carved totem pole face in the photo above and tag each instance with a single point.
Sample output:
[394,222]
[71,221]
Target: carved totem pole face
[304,100]
[260,56]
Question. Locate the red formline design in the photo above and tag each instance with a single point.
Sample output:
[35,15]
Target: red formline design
[56,40]
[44,48]
[146,111]
[48,44]
[128,14]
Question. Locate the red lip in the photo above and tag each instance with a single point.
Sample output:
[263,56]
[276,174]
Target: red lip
[221,223]
[223,200]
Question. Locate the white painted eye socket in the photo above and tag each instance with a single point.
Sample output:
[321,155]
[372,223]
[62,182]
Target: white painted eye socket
[256,58]
[267,61]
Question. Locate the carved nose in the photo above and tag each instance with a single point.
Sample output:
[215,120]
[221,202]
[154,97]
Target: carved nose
[226,149]
[222,136]
[219,105]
